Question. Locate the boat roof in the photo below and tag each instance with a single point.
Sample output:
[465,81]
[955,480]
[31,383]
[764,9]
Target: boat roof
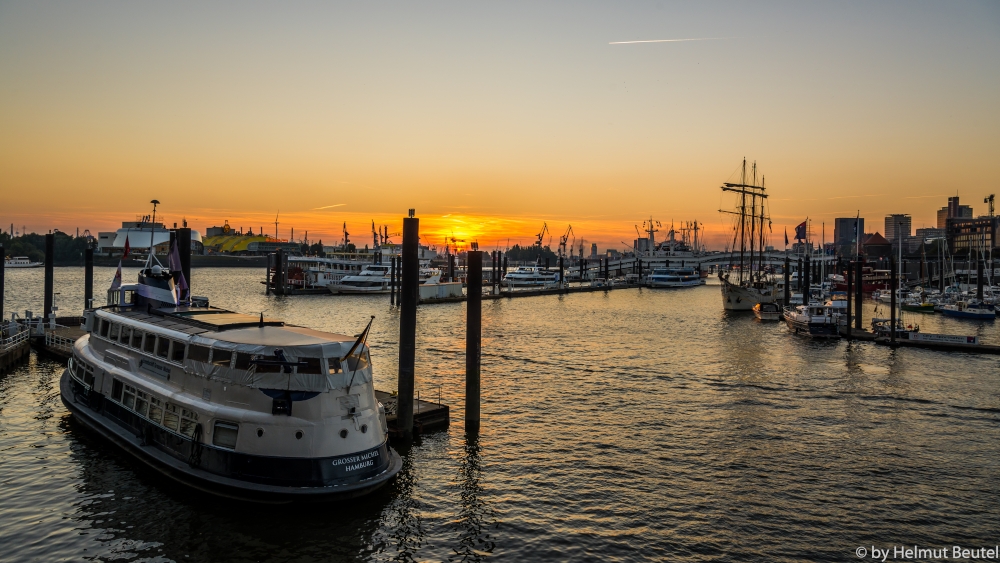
[228,326]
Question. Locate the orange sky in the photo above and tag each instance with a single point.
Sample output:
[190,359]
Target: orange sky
[491,119]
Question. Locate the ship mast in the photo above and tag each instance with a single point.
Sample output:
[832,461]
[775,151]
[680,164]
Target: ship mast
[748,231]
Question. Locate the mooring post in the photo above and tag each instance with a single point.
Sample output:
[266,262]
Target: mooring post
[807,281]
[451,267]
[787,298]
[392,281]
[850,295]
[267,274]
[473,339]
[562,280]
[408,294]
[279,272]
[798,275]
[88,277]
[892,300]
[50,251]
[2,268]
[858,291]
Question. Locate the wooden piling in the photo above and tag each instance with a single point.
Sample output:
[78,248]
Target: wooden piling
[979,276]
[806,292]
[850,295]
[798,276]
[2,273]
[562,279]
[408,297]
[392,281]
[858,291]
[788,278]
[50,251]
[88,277]
[893,286]
[473,339]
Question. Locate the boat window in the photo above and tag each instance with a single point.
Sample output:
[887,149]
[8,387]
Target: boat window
[116,390]
[155,409]
[141,402]
[163,347]
[221,358]
[129,398]
[189,420]
[126,335]
[115,331]
[333,364]
[242,361]
[268,369]
[312,365]
[225,434]
[149,343]
[170,418]
[198,353]
[177,352]
[136,339]
[105,326]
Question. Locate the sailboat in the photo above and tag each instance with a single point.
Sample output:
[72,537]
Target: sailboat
[745,283]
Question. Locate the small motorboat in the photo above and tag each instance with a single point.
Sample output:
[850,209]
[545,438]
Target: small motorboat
[767,311]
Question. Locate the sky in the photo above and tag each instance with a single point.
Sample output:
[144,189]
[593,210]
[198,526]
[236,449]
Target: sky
[492,118]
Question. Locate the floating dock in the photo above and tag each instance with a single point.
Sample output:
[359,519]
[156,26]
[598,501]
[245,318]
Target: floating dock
[427,415]
[13,349]
[865,336]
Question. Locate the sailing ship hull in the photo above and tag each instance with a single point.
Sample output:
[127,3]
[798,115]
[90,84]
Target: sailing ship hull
[740,298]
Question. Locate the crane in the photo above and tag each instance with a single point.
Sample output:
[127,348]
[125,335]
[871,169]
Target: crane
[563,239]
[276,225]
[541,234]
[989,200]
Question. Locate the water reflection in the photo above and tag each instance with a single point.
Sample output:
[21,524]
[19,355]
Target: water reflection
[477,519]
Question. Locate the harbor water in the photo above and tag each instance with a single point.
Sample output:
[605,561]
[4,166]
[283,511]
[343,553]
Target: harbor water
[630,425]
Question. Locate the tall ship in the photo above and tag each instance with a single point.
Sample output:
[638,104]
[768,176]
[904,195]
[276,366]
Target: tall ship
[233,405]
[746,282]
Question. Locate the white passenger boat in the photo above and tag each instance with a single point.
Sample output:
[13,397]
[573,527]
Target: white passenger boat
[675,277]
[233,405]
[530,276]
[20,262]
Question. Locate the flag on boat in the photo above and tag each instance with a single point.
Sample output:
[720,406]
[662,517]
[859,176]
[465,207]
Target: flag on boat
[127,250]
[117,282]
[800,231]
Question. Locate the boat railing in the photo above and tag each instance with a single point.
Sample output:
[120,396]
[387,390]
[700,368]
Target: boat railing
[15,340]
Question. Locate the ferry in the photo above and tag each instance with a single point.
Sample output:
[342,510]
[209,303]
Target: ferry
[20,262]
[232,405]
[373,278]
[531,276]
[675,277]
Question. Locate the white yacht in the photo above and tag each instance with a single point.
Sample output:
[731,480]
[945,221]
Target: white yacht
[816,319]
[373,278]
[20,262]
[675,277]
[234,405]
[530,276]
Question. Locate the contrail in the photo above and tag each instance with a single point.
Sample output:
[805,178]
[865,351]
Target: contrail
[329,206]
[667,40]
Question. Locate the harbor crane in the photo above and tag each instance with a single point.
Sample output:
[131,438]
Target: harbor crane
[276,225]
[989,200]
[541,234]
[563,239]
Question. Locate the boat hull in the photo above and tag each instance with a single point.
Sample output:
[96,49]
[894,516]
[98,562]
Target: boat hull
[814,330]
[91,411]
[971,315]
[739,298]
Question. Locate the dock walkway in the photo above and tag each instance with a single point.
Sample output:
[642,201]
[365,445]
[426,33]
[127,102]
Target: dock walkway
[427,415]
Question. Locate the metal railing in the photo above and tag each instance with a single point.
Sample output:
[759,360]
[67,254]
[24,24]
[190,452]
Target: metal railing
[14,341]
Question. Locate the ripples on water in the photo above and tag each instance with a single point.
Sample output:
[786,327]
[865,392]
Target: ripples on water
[623,426]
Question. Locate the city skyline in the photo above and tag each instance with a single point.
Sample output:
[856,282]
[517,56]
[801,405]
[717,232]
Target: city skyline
[490,120]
